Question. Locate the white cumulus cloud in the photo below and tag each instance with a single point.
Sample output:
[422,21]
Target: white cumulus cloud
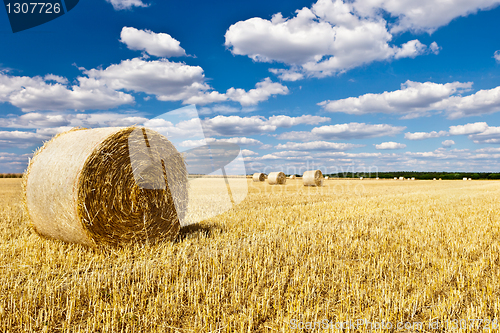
[236,125]
[496,55]
[156,44]
[52,93]
[126,4]
[448,143]
[414,99]
[328,38]
[318,145]
[390,145]
[175,81]
[425,135]
[423,15]
[471,128]
[263,90]
[346,131]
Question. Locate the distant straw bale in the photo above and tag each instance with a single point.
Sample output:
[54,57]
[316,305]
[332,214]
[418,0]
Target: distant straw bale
[276,178]
[80,188]
[258,177]
[312,178]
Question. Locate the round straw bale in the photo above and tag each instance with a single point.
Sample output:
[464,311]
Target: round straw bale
[292,177]
[276,178]
[313,178]
[80,188]
[258,177]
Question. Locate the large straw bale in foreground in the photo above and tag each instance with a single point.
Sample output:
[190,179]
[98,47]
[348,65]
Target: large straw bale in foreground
[313,178]
[80,188]
[276,178]
[259,177]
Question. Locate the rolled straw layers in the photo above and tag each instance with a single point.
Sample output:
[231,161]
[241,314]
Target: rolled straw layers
[313,178]
[259,177]
[80,188]
[276,178]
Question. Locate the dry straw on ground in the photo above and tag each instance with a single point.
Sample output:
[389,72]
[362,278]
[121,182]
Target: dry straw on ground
[313,178]
[259,177]
[388,251]
[276,178]
[80,188]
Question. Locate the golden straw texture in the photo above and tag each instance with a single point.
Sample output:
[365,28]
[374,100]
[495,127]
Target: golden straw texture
[276,178]
[80,188]
[313,178]
[259,177]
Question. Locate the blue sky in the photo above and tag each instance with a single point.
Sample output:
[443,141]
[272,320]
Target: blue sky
[380,84]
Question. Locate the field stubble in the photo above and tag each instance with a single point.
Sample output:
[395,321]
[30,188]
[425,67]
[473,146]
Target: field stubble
[377,250]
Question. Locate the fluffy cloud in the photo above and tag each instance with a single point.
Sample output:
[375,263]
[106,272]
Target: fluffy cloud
[328,38]
[48,120]
[481,102]
[318,145]
[242,141]
[263,90]
[235,125]
[356,131]
[390,145]
[496,55]
[423,15]
[247,152]
[102,88]
[414,99]
[489,135]
[169,81]
[126,4]
[52,93]
[286,121]
[425,135]
[448,143]
[343,132]
[472,128]
[224,109]
[156,44]
[333,36]
[479,132]
[21,139]
[174,81]
[286,155]
[10,162]
[41,126]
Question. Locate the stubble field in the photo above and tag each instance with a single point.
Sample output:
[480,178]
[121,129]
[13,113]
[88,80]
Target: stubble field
[398,252]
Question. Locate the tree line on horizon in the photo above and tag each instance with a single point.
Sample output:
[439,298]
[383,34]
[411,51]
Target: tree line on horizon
[418,175]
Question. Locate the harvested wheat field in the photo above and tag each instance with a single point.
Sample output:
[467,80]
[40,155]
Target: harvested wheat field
[286,257]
